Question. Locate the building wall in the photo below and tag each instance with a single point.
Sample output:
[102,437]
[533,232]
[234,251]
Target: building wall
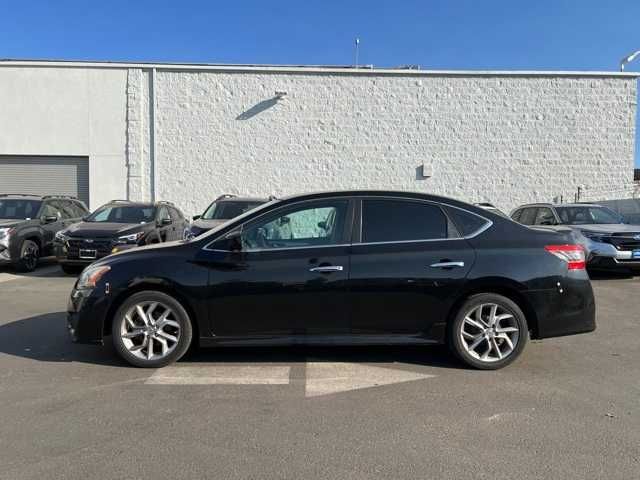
[65,112]
[503,138]
[507,140]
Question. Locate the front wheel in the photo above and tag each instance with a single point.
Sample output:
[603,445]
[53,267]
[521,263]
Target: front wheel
[151,330]
[29,254]
[489,332]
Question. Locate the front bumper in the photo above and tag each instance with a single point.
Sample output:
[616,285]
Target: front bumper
[86,313]
[565,310]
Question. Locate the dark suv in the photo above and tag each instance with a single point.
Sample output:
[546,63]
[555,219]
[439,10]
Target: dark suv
[118,225]
[223,208]
[28,224]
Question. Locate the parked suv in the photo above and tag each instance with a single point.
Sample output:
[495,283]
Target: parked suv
[336,268]
[118,225]
[28,224]
[223,208]
[607,240]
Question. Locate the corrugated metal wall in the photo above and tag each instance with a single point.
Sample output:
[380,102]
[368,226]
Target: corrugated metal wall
[45,175]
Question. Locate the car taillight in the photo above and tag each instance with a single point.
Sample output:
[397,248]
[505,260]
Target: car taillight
[572,254]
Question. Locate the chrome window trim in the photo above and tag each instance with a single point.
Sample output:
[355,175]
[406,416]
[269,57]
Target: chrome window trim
[484,228]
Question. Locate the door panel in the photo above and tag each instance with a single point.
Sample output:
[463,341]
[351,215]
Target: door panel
[276,293]
[395,290]
[288,275]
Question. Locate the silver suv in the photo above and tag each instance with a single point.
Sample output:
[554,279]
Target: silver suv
[609,242]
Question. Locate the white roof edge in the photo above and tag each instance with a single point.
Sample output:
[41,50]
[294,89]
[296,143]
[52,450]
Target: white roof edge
[366,70]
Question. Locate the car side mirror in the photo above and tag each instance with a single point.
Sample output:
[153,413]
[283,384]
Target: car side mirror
[284,220]
[233,240]
[323,225]
[196,217]
[49,219]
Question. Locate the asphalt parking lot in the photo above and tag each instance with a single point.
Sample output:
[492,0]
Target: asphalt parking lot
[569,408]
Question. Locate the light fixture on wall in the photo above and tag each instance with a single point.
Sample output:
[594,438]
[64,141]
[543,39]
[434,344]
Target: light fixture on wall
[628,59]
[280,94]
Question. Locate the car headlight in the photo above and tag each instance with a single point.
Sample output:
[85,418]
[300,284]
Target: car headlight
[131,238]
[5,233]
[91,276]
[62,236]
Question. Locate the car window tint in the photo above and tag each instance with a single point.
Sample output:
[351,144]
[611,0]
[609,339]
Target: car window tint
[398,220]
[50,210]
[528,216]
[466,222]
[307,226]
[65,207]
[79,209]
[544,216]
[163,214]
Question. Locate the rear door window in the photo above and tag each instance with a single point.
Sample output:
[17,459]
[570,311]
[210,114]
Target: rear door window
[544,216]
[528,216]
[390,220]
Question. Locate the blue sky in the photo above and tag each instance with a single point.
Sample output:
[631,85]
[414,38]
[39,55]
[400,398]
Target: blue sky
[443,34]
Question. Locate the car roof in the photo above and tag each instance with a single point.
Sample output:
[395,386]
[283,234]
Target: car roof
[557,205]
[242,199]
[29,196]
[386,193]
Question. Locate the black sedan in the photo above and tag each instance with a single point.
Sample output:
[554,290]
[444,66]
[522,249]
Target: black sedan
[358,267]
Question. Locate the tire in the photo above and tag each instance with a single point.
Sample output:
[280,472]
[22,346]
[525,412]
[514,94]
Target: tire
[131,338]
[29,254]
[498,345]
[71,269]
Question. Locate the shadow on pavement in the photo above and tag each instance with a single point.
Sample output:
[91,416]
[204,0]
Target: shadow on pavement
[44,338]
[610,274]
[47,268]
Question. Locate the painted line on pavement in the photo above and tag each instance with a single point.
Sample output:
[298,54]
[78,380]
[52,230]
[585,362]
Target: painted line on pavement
[221,375]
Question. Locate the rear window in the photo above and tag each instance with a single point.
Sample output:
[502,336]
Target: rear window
[401,220]
[17,209]
[467,223]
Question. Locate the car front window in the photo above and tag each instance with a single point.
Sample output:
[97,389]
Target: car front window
[15,209]
[228,209]
[123,214]
[588,215]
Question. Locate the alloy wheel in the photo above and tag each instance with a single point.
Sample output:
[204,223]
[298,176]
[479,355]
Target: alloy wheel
[30,256]
[489,332]
[150,330]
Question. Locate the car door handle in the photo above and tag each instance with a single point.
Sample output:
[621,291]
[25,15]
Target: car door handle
[327,269]
[447,265]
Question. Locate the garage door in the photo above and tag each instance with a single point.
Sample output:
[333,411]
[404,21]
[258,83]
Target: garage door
[44,175]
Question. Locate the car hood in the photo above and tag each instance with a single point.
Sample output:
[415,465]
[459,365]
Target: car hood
[608,228]
[103,230]
[7,222]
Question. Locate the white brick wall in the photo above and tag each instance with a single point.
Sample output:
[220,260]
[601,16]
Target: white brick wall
[499,138]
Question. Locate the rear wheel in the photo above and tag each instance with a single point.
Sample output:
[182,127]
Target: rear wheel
[489,332]
[151,329]
[29,254]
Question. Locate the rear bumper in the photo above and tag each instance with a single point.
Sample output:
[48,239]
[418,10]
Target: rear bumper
[566,310]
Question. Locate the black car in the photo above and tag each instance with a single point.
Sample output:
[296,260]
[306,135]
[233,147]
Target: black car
[222,209]
[28,224]
[118,225]
[357,267]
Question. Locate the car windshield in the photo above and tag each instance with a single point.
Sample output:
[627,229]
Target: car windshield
[18,209]
[228,209]
[586,215]
[123,214]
